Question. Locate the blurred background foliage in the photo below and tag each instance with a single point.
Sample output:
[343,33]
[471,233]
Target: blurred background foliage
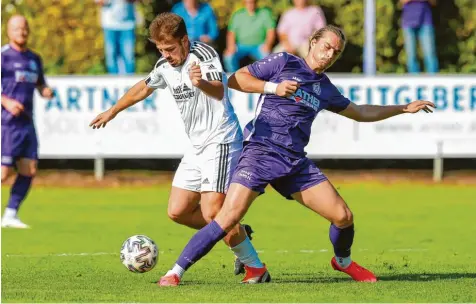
[68,35]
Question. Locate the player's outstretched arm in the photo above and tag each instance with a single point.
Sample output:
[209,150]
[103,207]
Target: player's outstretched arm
[369,113]
[138,92]
[243,81]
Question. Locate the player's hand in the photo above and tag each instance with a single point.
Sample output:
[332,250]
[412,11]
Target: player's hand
[47,93]
[14,107]
[287,88]
[195,74]
[102,119]
[418,105]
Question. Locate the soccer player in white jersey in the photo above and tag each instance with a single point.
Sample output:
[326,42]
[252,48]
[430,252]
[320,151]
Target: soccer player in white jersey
[193,73]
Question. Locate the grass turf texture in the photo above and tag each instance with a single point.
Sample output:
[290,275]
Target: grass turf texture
[418,239]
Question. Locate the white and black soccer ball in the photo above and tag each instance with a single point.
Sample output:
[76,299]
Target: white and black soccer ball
[139,253]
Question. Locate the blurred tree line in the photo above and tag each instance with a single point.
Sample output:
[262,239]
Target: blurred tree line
[68,35]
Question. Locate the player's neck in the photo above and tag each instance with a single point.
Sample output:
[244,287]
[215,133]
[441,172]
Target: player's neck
[313,65]
[17,47]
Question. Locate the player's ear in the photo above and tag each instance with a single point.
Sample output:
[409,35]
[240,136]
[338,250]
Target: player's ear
[313,43]
[185,40]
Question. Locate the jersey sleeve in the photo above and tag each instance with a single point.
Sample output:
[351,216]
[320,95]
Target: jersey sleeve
[41,76]
[269,66]
[212,70]
[155,80]
[337,101]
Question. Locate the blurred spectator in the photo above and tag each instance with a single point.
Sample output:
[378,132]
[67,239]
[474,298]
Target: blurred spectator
[417,22]
[118,22]
[200,20]
[297,25]
[251,32]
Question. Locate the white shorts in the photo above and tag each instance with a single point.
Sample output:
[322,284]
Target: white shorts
[210,170]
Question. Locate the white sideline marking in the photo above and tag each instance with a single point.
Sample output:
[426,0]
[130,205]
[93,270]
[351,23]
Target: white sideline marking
[171,251]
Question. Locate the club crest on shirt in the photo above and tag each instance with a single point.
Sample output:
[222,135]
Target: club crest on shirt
[33,65]
[317,88]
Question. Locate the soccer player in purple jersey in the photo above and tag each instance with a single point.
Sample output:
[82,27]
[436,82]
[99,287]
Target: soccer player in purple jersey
[294,91]
[22,73]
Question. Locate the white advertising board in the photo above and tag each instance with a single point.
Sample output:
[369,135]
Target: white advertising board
[153,128]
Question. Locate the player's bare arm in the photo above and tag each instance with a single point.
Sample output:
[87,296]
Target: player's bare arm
[138,92]
[13,106]
[213,88]
[243,81]
[370,113]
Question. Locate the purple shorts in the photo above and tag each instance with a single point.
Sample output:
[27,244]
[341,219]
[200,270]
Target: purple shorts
[18,142]
[259,166]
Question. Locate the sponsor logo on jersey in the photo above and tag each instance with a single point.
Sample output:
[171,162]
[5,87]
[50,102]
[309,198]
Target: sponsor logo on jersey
[307,99]
[25,76]
[183,93]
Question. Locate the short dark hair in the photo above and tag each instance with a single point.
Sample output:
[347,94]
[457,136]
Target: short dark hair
[166,26]
[328,28]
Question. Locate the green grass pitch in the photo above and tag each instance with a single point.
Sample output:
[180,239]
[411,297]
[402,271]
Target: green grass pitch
[420,240]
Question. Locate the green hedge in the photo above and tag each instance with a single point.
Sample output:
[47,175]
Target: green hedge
[67,33]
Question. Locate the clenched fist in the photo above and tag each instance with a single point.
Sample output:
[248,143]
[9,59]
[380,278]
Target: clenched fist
[287,88]
[195,74]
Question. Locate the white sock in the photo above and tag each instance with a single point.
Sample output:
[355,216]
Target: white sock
[247,254]
[343,262]
[176,270]
[9,213]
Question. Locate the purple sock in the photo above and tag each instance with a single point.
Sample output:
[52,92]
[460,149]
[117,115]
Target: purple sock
[19,191]
[200,244]
[342,239]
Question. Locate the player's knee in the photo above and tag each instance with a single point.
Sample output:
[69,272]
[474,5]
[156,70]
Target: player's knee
[177,215]
[31,172]
[27,169]
[6,172]
[343,217]
[5,176]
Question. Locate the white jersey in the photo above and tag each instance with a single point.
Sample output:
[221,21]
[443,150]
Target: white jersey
[207,120]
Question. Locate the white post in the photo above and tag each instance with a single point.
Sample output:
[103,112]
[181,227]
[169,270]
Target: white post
[370,66]
[438,163]
[99,168]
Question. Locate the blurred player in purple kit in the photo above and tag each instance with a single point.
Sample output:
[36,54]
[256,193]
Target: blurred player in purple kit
[22,73]
[294,91]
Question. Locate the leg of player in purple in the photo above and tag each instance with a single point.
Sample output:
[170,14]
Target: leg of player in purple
[19,147]
[237,202]
[19,190]
[342,239]
[18,193]
[200,244]
[309,186]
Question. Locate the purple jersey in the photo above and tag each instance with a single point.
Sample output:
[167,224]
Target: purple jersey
[22,72]
[284,124]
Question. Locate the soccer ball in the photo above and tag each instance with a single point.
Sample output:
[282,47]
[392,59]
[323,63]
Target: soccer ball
[139,253]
